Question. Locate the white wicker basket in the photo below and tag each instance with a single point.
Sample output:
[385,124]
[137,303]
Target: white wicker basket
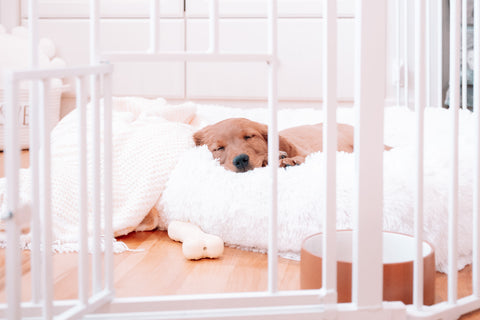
[55,95]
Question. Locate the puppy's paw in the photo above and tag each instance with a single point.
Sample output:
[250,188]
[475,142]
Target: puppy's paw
[288,162]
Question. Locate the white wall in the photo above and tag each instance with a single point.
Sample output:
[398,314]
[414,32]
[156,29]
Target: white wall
[435,96]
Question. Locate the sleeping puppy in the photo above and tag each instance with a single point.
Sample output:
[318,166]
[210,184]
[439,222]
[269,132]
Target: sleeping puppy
[241,145]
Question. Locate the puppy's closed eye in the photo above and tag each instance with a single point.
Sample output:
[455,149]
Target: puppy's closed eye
[248,137]
[219,149]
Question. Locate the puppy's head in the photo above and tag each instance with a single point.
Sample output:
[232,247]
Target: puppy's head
[239,144]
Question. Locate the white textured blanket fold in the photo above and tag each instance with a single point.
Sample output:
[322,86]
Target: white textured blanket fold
[146,146]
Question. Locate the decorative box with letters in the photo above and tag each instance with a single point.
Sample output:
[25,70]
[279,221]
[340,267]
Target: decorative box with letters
[14,54]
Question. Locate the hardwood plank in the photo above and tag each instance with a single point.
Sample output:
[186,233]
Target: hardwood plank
[235,271]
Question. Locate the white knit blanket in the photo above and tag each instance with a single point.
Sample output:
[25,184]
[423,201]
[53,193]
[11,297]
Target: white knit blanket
[148,137]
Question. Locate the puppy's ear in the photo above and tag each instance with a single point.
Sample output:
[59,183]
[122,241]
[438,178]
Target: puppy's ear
[198,138]
[286,146]
[263,129]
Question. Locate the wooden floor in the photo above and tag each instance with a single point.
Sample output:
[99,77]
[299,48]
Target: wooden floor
[156,266]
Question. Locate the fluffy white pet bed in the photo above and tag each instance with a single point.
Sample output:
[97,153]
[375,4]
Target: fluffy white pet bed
[235,207]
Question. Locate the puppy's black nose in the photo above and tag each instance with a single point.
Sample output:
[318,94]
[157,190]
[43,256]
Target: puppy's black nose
[241,161]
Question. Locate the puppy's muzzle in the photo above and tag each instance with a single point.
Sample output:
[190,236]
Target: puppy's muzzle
[241,162]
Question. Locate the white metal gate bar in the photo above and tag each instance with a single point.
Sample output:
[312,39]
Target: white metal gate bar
[405,52]
[12,160]
[35,194]
[476,173]
[419,108]
[190,304]
[214,28]
[464,54]
[65,309]
[154,16]
[96,238]
[39,74]
[260,313]
[390,311]
[426,22]
[367,279]
[273,144]
[397,51]
[95,102]
[94,31]
[453,185]
[83,274]
[439,66]
[45,199]
[184,56]
[185,303]
[12,267]
[34,145]
[329,274]
[237,305]
[108,184]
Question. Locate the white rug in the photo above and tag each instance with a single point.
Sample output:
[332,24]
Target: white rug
[235,207]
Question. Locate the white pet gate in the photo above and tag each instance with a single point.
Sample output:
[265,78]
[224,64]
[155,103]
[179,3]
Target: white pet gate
[272,304]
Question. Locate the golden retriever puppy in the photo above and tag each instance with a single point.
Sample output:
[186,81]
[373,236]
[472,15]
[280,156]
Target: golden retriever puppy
[241,145]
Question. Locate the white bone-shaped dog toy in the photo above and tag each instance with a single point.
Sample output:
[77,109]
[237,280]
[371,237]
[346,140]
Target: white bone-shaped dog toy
[196,243]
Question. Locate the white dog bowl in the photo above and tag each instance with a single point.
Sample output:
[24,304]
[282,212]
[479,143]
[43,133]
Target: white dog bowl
[398,256]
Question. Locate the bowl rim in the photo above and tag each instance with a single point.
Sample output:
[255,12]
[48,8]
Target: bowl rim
[426,257]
